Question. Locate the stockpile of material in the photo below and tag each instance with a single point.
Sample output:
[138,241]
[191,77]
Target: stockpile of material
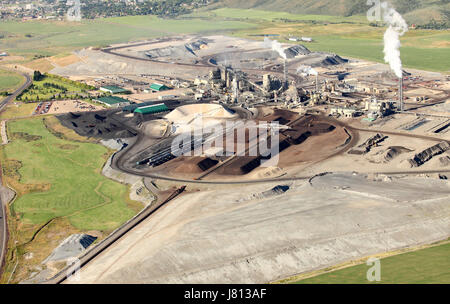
[296,50]
[71,247]
[369,144]
[333,60]
[275,191]
[393,152]
[421,158]
[445,161]
[178,51]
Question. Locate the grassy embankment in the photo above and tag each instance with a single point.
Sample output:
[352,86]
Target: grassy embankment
[10,81]
[429,265]
[60,191]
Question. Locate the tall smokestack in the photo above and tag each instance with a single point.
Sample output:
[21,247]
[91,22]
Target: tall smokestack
[400,94]
[317,83]
[285,80]
[235,89]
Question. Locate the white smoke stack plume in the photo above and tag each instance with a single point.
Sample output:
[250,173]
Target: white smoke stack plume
[397,28]
[307,70]
[275,46]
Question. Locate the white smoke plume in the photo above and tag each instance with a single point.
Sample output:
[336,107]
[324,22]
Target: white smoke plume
[276,46]
[307,70]
[74,12]
[397,28]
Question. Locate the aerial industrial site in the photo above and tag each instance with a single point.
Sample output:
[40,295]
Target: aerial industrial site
[345,110]
[255,161]
[361,152]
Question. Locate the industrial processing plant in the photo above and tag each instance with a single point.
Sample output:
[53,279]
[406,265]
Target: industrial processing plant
[242,159]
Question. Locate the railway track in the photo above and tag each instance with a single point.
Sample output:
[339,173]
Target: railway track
[111,239]
[120,160]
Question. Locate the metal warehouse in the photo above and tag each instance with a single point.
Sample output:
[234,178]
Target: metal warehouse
[112,101]
[114,90]
[156,87]
[152,109]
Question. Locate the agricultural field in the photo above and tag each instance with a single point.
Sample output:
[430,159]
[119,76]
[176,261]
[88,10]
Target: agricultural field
[44,38]
[9,81]
[263,15]
[424,266]
[60,190]
[347,36]
[17,109]
[52,87]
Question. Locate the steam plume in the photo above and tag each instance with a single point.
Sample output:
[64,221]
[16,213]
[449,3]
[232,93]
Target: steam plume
[397,28]
[307,70]
[276,46]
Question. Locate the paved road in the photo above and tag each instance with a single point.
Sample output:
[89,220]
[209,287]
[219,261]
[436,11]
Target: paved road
[3,227]
[122,156]
[11,97]
[3,236]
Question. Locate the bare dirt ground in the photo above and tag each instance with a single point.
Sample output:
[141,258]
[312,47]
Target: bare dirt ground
[97,63]
[313,225]
[248,235]
[66,106]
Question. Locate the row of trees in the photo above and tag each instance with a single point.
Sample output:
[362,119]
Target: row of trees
[48,90]
[38,76]
[55,86]
[435,25]
[59,96]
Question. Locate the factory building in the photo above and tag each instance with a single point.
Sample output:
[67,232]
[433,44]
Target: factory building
[151,109]
[114,90]
[381,108]
[346,112]
[156,87]
[112,101]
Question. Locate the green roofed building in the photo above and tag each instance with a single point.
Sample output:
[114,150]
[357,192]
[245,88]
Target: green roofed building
[156,87]
[114,90]
[152,109]
[113,101]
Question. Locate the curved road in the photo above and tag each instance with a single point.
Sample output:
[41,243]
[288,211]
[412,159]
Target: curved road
[3,225]
[123,155]
[204,63]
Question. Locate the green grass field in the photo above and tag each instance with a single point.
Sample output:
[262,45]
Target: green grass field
[267,15]
[52,38]
[425,266]
[76,189]
[19,109]
[9,81]
[60,191]
[347,36]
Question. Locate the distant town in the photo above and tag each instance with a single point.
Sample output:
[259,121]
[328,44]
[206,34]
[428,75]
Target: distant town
[57,9]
